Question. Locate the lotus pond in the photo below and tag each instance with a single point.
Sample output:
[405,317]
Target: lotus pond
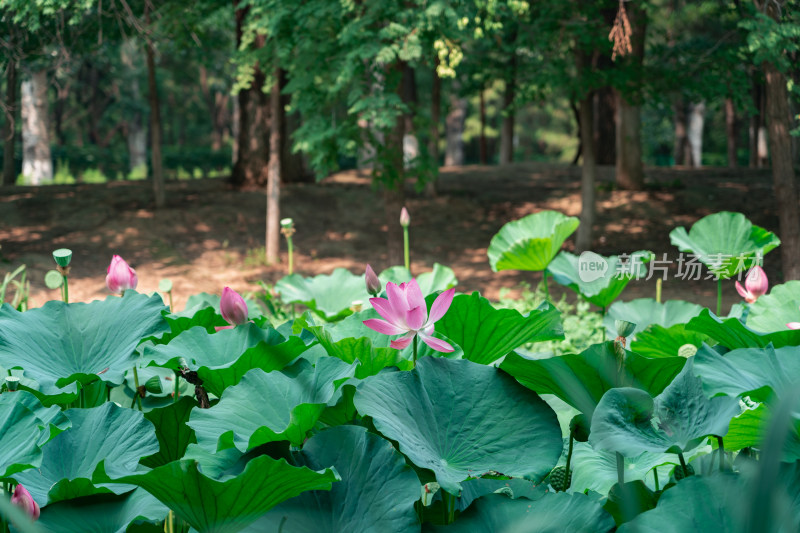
[313,407]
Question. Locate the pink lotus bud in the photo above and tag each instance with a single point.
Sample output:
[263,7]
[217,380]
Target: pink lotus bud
[373,283]
[232,307]
[755,285]
[23,499]
[793,325]
[120,277]
[405,218]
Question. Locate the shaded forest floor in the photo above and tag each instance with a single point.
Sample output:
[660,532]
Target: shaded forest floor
[211,235]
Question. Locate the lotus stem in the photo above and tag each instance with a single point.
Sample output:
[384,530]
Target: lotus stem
[721,450]
[290,249]
[171,307]
[620,469]
[136,392]
[65,289]
[546,290]
[416,339]
[567,480]
[658,290]
[602,327]
[719,296]
[82,396]
[406,255]
[683,465]
[177,388]
[655,473]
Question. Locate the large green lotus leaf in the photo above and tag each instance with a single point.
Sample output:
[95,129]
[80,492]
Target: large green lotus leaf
[52,418]
[582,379]
[112,435]
[377,491]
[215,506]
[530,243]
[350,341]
[603,290]
[773,311]
[107,514]
[731,333]
[751,427]
[725,502]
[60,344]
[172,431]
[553,513]
[756,372]
[727,243]
[265,407]
[646,311]
[440,278]
[486,334]
[461,419]
[658,341]
[329,296]
[222,358]
[596,470]
[630,421]
[20,431]
[512,488]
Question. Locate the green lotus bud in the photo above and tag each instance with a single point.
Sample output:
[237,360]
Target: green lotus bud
[687,350]
[153,385]
[62,256]
[12,382]
[624,328]
[165,285]
[579,428]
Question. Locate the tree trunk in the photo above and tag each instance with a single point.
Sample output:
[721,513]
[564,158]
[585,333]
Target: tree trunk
[250,168]
[155,121]
[9,127]
[37,162]
[135,130]
[409,96]
[507,131]
[697,119]
[454,128]
[484,156]
[782,170]
[681,153]
[436,116]
[394,178]
[630,173]
[605,130]
[730,132]
[294,168]
[583,240]
[274,172]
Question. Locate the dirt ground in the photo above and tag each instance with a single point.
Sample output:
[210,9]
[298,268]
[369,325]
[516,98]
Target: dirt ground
[211,235]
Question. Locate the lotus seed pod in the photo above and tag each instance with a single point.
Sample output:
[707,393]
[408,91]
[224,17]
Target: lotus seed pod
[287,223]
[62,256]
[579,428]
[165,285]
[153,385]
[12,382]
[679,474]
[687,350]
[559,479]
[624,328]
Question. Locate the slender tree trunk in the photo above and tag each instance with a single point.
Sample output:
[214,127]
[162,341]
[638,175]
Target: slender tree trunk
[576,112]
[9,127]
[436,114]
[681,153]
[394,179]
[782,171]
[454,128]
[274,172]
[583,240]
[37,162]
[630,172]
[507,131]
[250,167]
[483,149]
[730,132]
[697,119]
[135,130]
[294,168]
[605,128]
[155,121]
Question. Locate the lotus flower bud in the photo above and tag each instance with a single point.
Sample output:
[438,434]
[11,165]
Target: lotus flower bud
[373,283]
[755,285]
[405,218]
[120,277]
[232,307]
[23,499]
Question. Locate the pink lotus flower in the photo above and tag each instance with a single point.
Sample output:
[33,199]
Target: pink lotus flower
[405,312]
[232,307]
[120,277]
[793,325]
[755,285]
[373,283]
[405,218]
[23,499]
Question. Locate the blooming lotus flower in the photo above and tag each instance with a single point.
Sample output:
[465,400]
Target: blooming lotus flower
[793,325]
[120,276]
[23,499]
[405,218]
[232,307]
[373,283]
[755,285]
[405,312]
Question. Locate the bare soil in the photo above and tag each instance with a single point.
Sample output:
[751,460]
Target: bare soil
[211,235]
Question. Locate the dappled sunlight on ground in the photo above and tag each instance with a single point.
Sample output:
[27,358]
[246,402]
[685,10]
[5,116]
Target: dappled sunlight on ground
[211,235]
